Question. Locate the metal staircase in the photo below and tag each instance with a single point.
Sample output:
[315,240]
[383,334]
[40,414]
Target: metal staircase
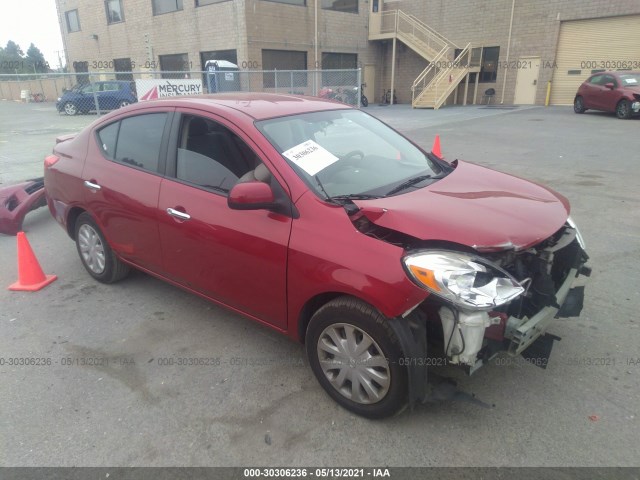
[445,70]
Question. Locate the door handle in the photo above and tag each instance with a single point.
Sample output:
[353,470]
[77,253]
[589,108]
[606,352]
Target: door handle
[178,214]
[94,187]
[535,82]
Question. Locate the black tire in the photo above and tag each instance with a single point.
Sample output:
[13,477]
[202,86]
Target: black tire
[364,102]
[361,319]
[70,109]
[623,109]
[90,243]
[578,105]
[124,103]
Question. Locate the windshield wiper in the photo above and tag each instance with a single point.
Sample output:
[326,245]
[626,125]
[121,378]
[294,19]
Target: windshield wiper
[411,182]
[354,196]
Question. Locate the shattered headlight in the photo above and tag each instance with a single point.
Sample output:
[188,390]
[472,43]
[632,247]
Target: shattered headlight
[463,279]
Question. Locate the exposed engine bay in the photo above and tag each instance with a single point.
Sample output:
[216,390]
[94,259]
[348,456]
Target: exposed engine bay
[544,274]
[547,272]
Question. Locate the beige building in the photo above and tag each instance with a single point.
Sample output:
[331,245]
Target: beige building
[431,52]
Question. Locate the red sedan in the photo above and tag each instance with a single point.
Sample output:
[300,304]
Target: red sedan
[617,92]
[323,223]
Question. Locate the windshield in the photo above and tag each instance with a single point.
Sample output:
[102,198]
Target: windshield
[349,153]
[630,80]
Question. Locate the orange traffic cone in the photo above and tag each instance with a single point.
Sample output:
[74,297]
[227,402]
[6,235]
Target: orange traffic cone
[30,276]
[436,147]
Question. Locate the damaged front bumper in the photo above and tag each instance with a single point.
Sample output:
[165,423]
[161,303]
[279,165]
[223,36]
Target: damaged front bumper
[552,273]
[18,200]
[522,332]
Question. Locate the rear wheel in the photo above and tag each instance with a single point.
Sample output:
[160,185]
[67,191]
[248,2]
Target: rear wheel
[578,105]
[124,103]
[355,354]
[364,101]
[95,253]
[70,109]
[623,109]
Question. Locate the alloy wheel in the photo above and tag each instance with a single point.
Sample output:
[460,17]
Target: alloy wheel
[70,108]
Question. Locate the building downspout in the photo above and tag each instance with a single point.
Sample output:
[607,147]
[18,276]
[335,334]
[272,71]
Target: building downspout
[315,47]
[504,80]
[393,62]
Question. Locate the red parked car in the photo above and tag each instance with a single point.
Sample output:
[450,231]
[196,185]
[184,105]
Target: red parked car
[321,222]
[617,92]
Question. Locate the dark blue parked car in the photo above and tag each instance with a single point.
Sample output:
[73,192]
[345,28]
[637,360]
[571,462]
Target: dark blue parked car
[110,95]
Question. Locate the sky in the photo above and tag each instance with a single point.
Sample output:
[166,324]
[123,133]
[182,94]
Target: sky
[32,21]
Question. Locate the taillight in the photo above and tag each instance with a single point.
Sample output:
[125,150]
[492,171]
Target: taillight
[50,160]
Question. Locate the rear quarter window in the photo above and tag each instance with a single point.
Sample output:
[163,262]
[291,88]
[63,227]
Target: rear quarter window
[107,137]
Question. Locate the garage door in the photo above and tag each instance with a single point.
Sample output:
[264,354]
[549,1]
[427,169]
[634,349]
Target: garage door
[586,46]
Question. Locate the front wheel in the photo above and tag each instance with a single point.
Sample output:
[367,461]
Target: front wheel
[623,109]
[578,105]
[355,354]
[96,254]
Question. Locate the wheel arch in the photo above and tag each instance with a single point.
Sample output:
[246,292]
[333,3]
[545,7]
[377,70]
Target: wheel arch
[72,217]
[310,307]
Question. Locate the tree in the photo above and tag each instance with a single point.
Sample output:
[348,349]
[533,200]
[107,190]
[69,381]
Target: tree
[13,49]
[13,59]
[34,61]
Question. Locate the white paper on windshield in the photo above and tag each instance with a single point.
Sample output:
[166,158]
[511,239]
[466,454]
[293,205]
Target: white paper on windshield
[630,81]
[310,157]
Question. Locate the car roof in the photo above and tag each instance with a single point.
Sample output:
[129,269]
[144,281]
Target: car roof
[258,106]
[615,73]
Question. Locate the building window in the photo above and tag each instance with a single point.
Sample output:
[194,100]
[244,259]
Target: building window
[200,3]
[349,6]
[114,11]
[123,65]
[73,22]
[173,64]
[489,66]
[302,3]
[166,6]
[284,60]
[339,61]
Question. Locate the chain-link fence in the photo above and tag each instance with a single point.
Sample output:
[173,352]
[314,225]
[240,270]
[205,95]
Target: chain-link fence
[104,91]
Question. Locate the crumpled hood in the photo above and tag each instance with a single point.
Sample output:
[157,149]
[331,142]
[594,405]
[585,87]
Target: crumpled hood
[473,206]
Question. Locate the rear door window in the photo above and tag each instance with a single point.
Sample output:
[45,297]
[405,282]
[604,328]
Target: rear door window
[140,139]
[135,141]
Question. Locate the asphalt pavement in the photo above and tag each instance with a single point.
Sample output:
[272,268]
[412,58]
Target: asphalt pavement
[105,391]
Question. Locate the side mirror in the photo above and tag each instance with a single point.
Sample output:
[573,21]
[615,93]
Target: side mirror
[251,196]
[609,85]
